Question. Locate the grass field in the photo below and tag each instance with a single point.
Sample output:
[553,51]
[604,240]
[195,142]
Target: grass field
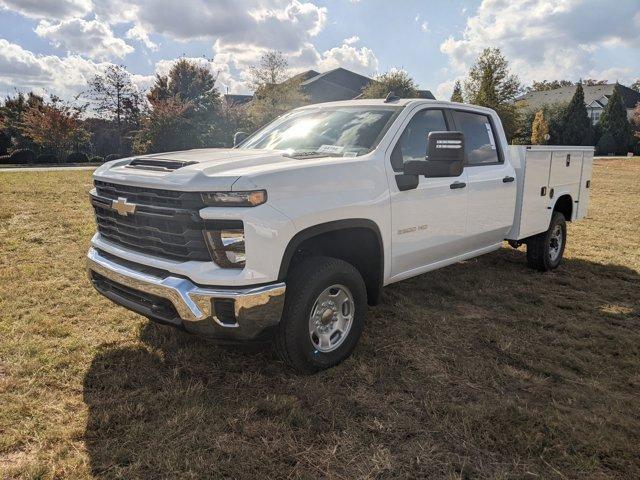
[484,369]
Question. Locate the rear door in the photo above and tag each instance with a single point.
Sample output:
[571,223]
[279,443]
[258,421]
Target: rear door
[491,181]
[428,222]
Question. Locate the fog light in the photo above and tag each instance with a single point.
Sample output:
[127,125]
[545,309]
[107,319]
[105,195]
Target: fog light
[225,241]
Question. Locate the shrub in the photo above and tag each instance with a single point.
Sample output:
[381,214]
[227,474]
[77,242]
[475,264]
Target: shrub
[22,156]
[77,157]
[112,156]
[47,158]
[96,159]
[607,144]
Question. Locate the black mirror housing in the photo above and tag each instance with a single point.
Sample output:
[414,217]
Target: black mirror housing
[239,137]
[445,154]
[416,167]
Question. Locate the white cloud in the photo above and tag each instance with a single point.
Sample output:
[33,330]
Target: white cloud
[138,33]
[56,9]
[240,31]
[273,24]
[361,60]
[23,70]
[88,37]
[545,39]
[424,27]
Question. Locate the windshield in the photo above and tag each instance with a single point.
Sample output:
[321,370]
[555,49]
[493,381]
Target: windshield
[337,131]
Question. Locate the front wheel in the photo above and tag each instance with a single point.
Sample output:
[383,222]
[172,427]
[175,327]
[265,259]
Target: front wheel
[323,315]
[545,251]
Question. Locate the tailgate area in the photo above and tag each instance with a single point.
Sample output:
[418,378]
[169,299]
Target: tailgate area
[544,174]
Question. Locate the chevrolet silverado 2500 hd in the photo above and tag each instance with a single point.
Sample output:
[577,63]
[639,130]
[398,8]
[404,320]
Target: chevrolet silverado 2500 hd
[292,233]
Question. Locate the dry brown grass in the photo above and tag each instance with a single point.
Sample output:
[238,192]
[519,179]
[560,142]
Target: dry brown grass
[485,369]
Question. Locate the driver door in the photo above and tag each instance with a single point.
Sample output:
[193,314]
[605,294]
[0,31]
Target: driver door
[428,222]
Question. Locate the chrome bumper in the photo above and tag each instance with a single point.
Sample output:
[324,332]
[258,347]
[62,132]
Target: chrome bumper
[254,308]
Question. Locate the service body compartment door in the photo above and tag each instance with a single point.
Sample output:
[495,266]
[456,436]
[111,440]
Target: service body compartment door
[566,167]
[534,214]
[585,184]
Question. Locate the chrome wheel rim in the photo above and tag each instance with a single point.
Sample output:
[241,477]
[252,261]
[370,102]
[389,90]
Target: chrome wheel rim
[331,318]
[555,243]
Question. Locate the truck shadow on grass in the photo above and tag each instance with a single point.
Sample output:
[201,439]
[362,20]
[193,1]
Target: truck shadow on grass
[483,369]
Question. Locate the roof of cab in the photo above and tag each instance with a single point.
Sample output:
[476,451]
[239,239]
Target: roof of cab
[403,102]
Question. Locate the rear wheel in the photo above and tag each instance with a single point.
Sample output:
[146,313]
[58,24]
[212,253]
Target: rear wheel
[323,315]
[545,251]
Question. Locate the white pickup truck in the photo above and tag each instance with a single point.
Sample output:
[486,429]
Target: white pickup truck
[290,234]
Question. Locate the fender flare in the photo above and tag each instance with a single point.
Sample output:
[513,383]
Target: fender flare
[315,230]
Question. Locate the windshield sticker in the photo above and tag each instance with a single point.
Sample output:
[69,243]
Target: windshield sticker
[330,149]
[350,154]
[490,133]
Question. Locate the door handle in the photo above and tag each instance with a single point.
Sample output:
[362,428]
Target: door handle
[508,179]
[457,185]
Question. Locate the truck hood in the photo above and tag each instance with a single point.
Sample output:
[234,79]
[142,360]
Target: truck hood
[204,169]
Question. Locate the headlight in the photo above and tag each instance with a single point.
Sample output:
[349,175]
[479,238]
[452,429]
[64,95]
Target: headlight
[251,198]
[225,241]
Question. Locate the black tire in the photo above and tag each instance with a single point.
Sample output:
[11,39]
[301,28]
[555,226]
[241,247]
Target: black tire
[305,283]
[540,246]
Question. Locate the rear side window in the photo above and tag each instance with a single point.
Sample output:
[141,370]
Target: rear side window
[480,141]
[413,141]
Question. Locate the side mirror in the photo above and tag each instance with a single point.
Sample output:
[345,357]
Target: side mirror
[239,137]
[445,154]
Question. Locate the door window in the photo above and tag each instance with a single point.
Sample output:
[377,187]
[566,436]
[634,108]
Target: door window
[413,141]
[480,142]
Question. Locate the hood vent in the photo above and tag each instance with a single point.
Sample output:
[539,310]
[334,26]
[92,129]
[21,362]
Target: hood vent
[158,165]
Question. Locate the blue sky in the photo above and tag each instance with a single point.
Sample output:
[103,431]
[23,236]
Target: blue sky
[55,46]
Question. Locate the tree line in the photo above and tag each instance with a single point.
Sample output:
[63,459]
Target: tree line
[184,109]
[489,83]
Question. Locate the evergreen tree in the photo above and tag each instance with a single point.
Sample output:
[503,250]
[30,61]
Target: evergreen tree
[456,96]
[185,107]
[490,84]
[576,128]
[614,121]
[539,129]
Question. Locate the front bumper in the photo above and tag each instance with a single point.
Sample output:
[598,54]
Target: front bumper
[237,313]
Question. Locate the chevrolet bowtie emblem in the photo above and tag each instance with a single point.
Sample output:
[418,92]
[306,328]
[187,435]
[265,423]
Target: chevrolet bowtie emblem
[122,207]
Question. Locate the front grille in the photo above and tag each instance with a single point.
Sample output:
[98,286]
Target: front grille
[165,223]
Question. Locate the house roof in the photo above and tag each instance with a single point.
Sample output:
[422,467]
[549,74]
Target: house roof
[336,84]
[536,100]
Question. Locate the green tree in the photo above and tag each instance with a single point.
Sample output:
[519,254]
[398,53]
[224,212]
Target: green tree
[614,121]
[185,107]
[546,85]
[490,84]
[274,94]
[607,144]
[397,81]
[456,96]
[169,126]
[539,129]
[576,129]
